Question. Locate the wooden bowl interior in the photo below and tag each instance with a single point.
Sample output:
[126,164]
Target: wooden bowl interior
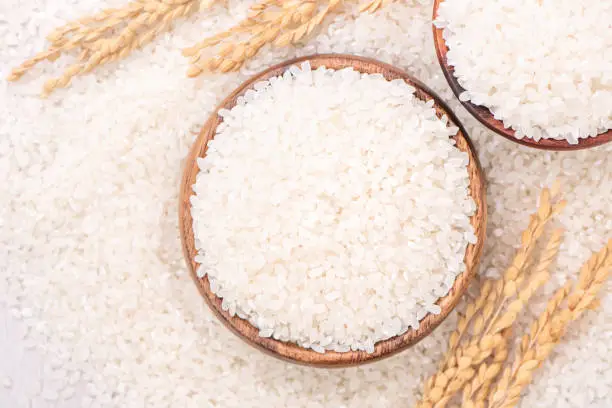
[291,351]
[485,116]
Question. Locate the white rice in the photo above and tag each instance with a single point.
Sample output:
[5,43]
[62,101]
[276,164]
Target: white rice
[332,208]
[542,67]
[95,297]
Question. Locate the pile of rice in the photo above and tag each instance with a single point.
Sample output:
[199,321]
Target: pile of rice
[96,303]
[542,67]
[330,219]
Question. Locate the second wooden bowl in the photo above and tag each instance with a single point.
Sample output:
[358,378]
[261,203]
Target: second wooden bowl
[290,351]
[484,115]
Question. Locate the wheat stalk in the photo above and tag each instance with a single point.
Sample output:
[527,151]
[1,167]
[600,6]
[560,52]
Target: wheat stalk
[547,330]
[276,22]
[475,392]
[527,341]
[108,36]
[441,387]
[539,276]
[513,277]
[113,34]
[374,5]
[472,310]
[477,368]
[485,316]
[487,372]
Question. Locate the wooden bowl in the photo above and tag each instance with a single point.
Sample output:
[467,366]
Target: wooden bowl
[484,115]
[290,351]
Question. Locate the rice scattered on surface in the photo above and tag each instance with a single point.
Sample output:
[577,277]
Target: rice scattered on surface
[91,269]
[542,67]
[332,208]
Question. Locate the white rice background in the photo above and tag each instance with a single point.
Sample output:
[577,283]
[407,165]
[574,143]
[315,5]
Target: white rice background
[95,298]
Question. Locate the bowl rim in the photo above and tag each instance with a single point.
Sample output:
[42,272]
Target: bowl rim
[484,115]
[290,351]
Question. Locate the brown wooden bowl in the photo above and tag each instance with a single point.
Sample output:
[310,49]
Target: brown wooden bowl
[290,351]
[484,115]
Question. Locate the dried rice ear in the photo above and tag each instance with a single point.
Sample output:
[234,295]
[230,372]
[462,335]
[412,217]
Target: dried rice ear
[112,34]
[108,36]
